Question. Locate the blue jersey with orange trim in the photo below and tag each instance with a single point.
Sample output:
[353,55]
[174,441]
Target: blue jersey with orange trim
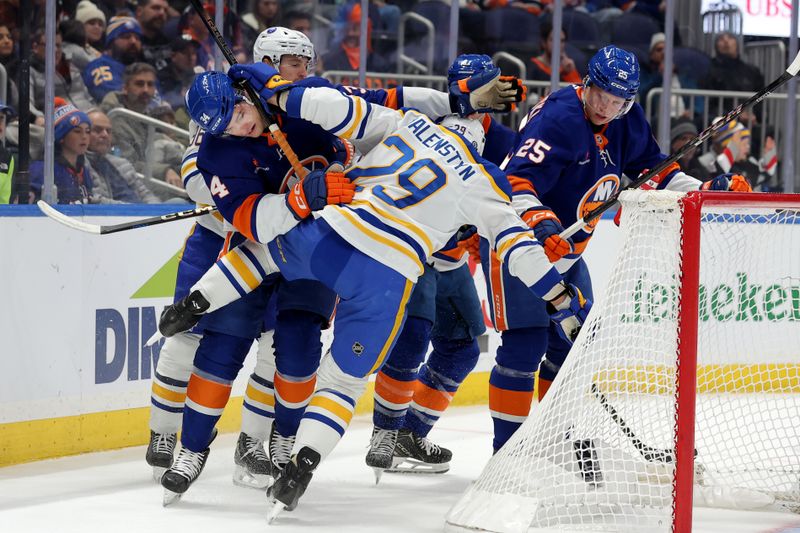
[240,171]
[571,166]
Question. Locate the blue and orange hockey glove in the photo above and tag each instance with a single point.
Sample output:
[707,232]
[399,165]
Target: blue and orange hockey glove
[266,81]
[546,226]
[318,189]
[728,182]
[570,313]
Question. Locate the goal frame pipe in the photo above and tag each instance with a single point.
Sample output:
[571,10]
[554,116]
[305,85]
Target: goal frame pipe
[686,377]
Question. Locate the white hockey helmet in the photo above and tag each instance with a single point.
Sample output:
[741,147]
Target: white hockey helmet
[470,129]
[276,42]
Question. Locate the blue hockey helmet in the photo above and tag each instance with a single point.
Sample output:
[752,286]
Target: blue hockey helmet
[210,101]
[615,71]
[467,65]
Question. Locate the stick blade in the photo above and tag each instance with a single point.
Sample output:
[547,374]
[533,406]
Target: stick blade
[795,66]
[70,222]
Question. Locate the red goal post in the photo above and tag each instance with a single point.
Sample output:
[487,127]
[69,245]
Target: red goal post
[685,380]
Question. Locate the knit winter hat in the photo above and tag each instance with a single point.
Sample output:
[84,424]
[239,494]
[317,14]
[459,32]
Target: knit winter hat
[119,26]
[87,11]
[728,130]
[67,117]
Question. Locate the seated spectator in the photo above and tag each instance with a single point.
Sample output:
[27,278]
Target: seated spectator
[539,66]
[73,179]
[115,179]
[94,25]
[193,25]
[729,73]
[681,132]
[7,161]
[151,16]
[67,81]
[345,55]
[652,76]
[9,60]
[123,47]
[74,44]
[138,94]
[731,152]
[261,15]
[177,75]
[298,21]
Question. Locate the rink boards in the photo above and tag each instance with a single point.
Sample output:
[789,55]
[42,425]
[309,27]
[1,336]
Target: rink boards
[75,375]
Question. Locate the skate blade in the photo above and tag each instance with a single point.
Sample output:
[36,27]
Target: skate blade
[170,497]
[243,478]
[405,465]
[277,508]
[378,473]
[158,471]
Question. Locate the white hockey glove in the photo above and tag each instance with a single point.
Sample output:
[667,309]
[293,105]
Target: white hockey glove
[486,92]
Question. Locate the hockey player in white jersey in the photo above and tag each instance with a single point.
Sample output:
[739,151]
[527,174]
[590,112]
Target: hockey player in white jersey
[417,184]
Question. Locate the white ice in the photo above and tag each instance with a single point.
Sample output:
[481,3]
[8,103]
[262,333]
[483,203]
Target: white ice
[114,492]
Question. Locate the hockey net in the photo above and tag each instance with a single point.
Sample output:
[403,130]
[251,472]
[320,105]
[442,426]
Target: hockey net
[682,388]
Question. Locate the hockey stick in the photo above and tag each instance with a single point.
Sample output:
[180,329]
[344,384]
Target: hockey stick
[699,139]
[277,134]
[654,455]
[74,223]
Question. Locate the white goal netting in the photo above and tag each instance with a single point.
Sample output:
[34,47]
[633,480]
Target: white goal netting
[598,452]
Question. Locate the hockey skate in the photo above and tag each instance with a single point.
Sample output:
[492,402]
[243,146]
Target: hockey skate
[417,455]
[183,472]
[381,452]
[589,465]
[292,482]
[159,452]
[253,467]
[280,451]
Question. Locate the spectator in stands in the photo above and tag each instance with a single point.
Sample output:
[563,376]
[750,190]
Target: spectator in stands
[193,25]
[298,21]
[729,73]
[73,179]
[138,94]
[345,55]
[67,81]
[539,66]
[94,22]
[123,47]
[177,75]
[152,15]
[261,15]
[535,7]
[731,152]
[74,44]
[652,76]
[7,162]
[681,132]
[9,60]
[115,179]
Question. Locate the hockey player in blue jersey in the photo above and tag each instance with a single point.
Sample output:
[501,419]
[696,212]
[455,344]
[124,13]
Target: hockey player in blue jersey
[299,308]
[574,147]
[416,185]
[444,311]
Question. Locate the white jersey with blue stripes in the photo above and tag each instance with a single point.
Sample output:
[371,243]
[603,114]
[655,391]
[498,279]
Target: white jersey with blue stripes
[418,183]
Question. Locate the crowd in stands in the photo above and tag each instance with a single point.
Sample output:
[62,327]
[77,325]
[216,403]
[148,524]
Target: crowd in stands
[116,57]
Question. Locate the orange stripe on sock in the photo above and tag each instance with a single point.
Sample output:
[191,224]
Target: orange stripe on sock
[432,399]
[208,393]
[294,391]
[516,403]
[393,390]
[167,394]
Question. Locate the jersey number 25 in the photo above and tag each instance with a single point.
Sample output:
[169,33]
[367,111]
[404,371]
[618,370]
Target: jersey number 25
[534,149]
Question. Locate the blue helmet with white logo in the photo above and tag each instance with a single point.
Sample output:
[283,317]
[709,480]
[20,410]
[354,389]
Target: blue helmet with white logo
[210,101]
[466,65]
[616,72]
